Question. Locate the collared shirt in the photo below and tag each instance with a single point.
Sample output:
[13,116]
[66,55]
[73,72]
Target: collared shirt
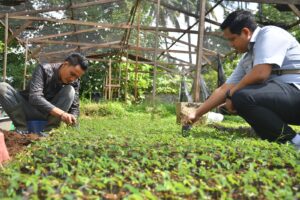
[270,45]
[43,87]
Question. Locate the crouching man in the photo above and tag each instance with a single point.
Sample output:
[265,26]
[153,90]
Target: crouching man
[264,88]
[52,95]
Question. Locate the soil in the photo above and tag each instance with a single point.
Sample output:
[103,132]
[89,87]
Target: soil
[16,142]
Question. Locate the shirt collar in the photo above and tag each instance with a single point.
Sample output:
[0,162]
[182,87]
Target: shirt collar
[253,37]
[57,66]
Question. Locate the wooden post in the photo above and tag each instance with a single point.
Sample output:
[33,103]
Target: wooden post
[109,81]
[137,53]
[5,47]
[120,76]
[189,37]
[25,66]
[155,53]
[126,77]
[105,87]
[201,27]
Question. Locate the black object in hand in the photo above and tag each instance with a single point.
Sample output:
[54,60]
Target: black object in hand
[185,131]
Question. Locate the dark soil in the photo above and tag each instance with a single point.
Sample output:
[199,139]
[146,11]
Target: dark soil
[16,142]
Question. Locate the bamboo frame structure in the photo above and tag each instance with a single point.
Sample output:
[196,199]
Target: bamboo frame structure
[28,18]
[110,87]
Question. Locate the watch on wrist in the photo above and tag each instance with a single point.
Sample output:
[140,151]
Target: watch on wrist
[228,95]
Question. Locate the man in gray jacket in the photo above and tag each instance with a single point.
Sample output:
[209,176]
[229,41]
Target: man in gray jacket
[51,95]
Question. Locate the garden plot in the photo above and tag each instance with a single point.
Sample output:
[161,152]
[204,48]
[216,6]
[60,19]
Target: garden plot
[133,155]
[16,142]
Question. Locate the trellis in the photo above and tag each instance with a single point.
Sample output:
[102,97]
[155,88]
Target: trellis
[132,52]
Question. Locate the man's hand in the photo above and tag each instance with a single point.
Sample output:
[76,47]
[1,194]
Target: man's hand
[229,106]
[68,118]
[4,156]
[189,119]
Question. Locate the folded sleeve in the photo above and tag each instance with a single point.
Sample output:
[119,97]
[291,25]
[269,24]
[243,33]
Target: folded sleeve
[271,47]
[238,73]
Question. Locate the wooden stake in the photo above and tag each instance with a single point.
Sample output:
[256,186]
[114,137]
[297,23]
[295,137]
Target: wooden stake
[25,66]
[200,51]
[155,54]
[137,53]
[5,47]
[109,81]
[120,76]
[126,77]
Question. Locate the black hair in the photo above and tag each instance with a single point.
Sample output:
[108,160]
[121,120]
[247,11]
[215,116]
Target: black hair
[238,20]
[77,59]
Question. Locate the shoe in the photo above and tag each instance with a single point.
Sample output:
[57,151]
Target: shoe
[297,147]
[43,134]
[22,132]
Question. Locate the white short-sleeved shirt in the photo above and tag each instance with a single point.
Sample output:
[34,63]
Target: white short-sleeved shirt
[270,45]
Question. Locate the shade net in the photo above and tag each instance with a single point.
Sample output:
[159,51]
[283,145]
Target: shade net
[100,28]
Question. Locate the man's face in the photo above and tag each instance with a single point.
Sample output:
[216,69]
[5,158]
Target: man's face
[69,73]
[238,42]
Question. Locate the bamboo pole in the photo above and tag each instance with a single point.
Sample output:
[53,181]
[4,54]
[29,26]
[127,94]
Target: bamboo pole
[200,51]
[103,25]
[149,63]
[126,77]
[120,77]
[294,9]
[189,38]
[25,66]
[137,53]
[271,1]
[79,5]
[105,87]
[5,47]
[106,45]
[17,32]
[188,30]
[155,54]
[109,81]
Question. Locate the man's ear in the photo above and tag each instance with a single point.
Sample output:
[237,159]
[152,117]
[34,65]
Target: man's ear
[65,63]
[246,32]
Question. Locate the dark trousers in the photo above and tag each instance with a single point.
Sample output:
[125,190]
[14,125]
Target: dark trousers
[269,108]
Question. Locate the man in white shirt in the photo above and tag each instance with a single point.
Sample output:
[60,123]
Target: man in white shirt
[264,88]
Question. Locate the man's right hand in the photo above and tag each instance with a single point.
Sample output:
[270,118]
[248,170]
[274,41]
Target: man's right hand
[191,118]
[68,118]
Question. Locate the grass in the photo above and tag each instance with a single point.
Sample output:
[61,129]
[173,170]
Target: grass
[129,154]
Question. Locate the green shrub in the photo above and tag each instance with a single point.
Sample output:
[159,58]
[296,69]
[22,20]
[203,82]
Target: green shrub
[103,109]
[90,109]
[161,109]
[165,110]
[111,108]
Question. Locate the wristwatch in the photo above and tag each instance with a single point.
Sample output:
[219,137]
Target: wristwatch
[228,95]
